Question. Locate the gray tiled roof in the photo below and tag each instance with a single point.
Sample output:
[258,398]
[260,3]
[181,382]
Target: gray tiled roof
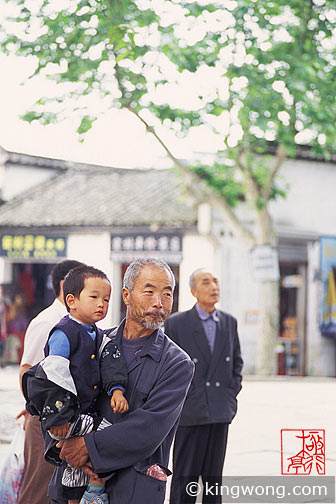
[102,197]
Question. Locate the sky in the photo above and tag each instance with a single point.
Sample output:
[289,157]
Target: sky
[116,139]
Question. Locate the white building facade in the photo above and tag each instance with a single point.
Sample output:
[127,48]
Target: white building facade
[131,214]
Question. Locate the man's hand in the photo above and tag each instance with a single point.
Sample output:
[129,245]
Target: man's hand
[119,403]
[25,414]
[74,451]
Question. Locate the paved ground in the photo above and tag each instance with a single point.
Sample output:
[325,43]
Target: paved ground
[265,407]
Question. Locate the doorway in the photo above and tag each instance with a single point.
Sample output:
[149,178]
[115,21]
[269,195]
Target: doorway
[292,334]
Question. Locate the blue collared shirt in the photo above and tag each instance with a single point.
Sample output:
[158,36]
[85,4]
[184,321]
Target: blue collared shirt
[209,324]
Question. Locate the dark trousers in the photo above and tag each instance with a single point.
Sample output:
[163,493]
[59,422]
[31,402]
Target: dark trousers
[199,451]
[37,472]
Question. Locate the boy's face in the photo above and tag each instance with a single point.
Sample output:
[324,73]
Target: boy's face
[92,304]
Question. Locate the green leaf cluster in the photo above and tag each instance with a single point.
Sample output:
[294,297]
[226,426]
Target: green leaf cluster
[268,69]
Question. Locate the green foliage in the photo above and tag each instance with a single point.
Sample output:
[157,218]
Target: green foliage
[263,73]
[85,125]
[221,178]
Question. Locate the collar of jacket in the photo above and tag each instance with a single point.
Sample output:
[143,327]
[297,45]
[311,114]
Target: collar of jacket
[153,347]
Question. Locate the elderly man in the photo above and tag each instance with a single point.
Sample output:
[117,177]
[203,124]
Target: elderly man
[210,337]
[136,447]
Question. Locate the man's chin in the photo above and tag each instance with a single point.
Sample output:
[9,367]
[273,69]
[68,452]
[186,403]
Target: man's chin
[154,324]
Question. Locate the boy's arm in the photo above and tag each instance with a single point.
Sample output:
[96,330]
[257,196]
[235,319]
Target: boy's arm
[113,369]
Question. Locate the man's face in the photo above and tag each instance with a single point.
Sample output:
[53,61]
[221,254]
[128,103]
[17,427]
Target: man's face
[151,300]
[206,290]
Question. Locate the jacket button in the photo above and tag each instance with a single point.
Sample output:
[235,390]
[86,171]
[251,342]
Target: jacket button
[93,356]
[207,384]
[95,387]
[227,359]
[217,384]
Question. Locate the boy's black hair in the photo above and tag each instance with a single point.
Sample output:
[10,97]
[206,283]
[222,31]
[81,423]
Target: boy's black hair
[59,271]
[74,280]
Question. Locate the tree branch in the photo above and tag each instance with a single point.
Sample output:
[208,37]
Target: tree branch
[280,156]
[253,190]
[199,190]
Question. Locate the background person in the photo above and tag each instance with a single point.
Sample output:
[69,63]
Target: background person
[137,445]
[210,337]
[17,322]
[37,471]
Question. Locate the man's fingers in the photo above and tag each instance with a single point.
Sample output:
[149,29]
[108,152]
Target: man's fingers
[87,470]
[60,444]
[24,412]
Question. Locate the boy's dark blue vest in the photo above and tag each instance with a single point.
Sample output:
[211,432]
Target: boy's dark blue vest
[84,360]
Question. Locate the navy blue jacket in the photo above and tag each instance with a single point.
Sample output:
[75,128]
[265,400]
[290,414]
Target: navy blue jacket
[217,379]
[84,360]
[158,381]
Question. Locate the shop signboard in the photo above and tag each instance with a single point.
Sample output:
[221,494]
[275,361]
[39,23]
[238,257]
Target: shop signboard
[328,279]
[32,246]
[265,263]
[126,247]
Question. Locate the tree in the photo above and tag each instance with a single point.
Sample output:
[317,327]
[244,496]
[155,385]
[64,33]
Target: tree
[261,76]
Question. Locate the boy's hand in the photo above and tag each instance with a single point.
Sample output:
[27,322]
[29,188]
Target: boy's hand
[119,403]
[59,431]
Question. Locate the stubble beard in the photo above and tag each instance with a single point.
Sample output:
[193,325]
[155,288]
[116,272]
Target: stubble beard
[150,324]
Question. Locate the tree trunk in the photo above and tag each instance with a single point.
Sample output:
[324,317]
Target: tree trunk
[269,305]
[268,328]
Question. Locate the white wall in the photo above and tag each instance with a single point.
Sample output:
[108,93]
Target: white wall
[240,297]
[198,252]
[94,249]
[310,202]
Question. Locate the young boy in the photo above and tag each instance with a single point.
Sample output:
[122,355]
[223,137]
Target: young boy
[62,389]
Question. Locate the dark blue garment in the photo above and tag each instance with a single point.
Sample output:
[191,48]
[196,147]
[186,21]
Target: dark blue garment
[130,347]
[158,381]
[212,397]
[84,360]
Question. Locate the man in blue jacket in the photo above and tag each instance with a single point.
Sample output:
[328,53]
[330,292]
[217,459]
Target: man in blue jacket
[136,447]
[210,337]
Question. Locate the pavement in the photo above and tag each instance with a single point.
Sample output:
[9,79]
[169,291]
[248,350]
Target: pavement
[265,407]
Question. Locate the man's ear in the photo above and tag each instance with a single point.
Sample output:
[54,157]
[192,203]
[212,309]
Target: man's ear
[70,299]
[193,292]
[126,295]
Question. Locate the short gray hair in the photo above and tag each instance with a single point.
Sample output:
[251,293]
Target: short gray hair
[192,277]
[136,266]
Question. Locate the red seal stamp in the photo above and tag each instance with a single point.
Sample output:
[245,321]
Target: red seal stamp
[302,452]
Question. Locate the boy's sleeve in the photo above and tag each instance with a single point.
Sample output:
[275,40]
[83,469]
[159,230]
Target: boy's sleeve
[113,368]
[54,404]
[59,344]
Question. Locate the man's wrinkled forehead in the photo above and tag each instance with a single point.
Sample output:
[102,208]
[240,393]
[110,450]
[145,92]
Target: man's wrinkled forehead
[151,274]
[205,276]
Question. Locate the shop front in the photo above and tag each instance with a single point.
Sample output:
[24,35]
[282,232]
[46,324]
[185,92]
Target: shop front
[27,260]
[129,246]
[292,340]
